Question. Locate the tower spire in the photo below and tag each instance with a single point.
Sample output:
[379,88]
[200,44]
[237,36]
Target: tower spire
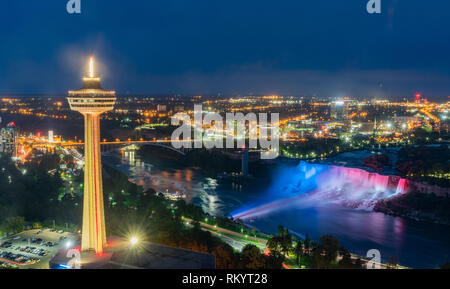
[91,67]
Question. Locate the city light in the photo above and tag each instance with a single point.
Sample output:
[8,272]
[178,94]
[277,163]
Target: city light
[134,241]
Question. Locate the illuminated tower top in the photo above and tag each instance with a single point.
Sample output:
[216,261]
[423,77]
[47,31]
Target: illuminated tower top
[92,99]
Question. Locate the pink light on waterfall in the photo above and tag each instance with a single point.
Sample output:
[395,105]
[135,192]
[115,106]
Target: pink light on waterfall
[312,184]
[402,187]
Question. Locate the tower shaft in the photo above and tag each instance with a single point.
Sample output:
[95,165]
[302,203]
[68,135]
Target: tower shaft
[93,231]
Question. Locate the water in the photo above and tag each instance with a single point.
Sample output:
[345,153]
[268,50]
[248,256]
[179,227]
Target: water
[416,244]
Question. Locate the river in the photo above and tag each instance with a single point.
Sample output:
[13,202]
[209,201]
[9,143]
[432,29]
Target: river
[416,244]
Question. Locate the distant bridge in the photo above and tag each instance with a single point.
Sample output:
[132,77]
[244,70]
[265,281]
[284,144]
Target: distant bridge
[108,146]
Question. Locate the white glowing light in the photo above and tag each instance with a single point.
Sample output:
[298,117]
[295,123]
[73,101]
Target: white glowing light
[134,241]
[91,67]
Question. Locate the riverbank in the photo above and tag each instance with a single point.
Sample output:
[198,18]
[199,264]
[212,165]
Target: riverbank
[417,245]
[417,206]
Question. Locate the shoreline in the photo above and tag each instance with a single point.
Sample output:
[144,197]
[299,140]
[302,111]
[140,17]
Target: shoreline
[384,264]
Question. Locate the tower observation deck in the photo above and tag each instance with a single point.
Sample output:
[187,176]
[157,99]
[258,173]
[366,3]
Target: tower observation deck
[92,101]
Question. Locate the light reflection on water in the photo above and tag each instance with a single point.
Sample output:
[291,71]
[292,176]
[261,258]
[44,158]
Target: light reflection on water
[418,245]
[199,190]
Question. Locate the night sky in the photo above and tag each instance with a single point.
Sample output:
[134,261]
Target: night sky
[294,47]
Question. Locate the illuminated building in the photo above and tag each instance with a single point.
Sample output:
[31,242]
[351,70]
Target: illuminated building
[50,136]
[419,99]
[8,139]
[92,101]
[339,110]
[161,107]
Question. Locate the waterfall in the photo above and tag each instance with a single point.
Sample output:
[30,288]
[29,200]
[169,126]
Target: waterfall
[309,184]
[402,187]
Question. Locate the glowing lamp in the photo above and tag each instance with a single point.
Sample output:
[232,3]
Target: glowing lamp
[134,241]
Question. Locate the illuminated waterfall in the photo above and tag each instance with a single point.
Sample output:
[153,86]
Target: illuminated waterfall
[309,184]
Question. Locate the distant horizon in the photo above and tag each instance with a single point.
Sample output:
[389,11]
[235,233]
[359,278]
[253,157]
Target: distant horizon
[409,98]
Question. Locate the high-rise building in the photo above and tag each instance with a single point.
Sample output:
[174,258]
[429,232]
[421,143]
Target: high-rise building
[161,107]
[8,139]
[339,110]
[50,136]
[92,101]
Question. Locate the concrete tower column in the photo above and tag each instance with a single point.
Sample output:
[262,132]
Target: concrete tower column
[92,101]
[94,234]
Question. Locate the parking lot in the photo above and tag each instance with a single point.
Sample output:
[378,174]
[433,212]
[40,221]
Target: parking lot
[33,249]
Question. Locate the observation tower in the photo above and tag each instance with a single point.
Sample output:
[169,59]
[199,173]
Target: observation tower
[92,101]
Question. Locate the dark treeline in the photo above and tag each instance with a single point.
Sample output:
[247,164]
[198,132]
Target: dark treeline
[34,192]
[327,253]
[426,163]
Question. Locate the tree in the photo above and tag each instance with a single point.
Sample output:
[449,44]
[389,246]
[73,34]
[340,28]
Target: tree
[274,260]
[358,264]
[285,240]
[225,257]
[320,262]
[252,257]
[196,225]
[281,242]
[330,246]
[346,261]
[307,242]
[393,262]
[14,225]
[274,243]
[298,250]
[325,253]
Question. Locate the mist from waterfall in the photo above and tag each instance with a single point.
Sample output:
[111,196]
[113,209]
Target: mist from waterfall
[315,184]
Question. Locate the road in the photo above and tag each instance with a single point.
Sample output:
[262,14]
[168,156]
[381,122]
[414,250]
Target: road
[237,243]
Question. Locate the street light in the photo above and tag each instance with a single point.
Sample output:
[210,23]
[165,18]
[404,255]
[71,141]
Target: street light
[134,241]
[68,244]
